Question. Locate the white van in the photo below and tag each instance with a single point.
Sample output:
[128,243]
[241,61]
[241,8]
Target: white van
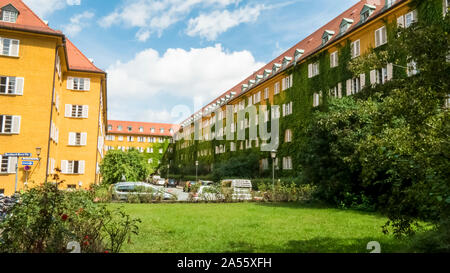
[240,189]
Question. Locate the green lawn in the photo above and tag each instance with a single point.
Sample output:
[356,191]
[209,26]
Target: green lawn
[255,227]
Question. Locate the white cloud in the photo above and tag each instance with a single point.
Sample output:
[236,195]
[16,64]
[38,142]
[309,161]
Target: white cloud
[202,73]
[77,23]
[44,8]
[152,16]
[210,25]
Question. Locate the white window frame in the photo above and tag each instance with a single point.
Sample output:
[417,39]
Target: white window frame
[10,165]
[9,16]
[313,69]
[380,36]
[14,83]
[14,127]
[70,108]
[266,93]
[355,53]
[277,88]
[14,47]
[68,167]
[316,99]
[334,59]
[74,83]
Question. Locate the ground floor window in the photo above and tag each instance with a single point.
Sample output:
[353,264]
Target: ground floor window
[72,187]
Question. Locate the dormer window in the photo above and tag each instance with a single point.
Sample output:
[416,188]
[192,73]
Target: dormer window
[267,73]
[130,128]
[259,78]
[244,87]
[366,11]
[275,68]
[327,36]
[251,83]
[298,54]
[345,25]
[9,14]
[286,61]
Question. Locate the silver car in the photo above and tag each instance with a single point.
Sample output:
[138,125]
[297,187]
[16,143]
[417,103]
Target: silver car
[124,189]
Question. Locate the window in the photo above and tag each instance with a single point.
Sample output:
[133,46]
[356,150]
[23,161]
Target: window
[9,124]
[356,84]
[8,165]
[9,16]
[232,147]
[410,18]
[380,36]
[287,109]
[120,138]
[141,129]
[11,85]
[250,102]
[313,69]
[288,135]
[161,151]
[119,128]
[2,191]
[336,91]
[152,130]
[257,97]
[110,127]
[389,3]
[365,15]
[265,164]
[277,88]
[334,59]
[355,49]
[381,75]
[80,84]
[130,129]
[412,69]
[72,166]
[287,163]
[77,111]
[266,93]
[345,25]
[130,138]
[316,99]
[77,139]
[287,82]
[161,130]
[9,47]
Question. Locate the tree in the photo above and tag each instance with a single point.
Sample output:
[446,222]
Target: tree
[118,164]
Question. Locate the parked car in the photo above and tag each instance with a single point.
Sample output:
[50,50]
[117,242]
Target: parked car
[207,193]
[155,179]
[239,189]
[123,190]
[171,183]
[206,183]
[161,182]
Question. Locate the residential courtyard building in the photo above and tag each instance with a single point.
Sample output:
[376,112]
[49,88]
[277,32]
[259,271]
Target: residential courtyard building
[53,105]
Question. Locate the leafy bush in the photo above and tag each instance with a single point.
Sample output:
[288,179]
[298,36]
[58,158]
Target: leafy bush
[46,219]
[244,166]
[285,192]
[118,164]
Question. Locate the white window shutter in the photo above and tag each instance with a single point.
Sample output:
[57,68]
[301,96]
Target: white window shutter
[373,77]
[358,48]
[283,84]
[390,71]
[12,162]
[57,135]
[64,166]
[291,80]
[383,35]
[16,125]
[72,137]
[70,83]
[377,37]
[362,80]
[401,21]
[81,166]
[68,111]
[19,86]
[15,48]
[309,70]
[84,139]
[349,87]
[415,18]
[85,111]
[339,90]
[87,84]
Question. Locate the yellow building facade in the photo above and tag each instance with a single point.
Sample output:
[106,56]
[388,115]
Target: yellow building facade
[53,106]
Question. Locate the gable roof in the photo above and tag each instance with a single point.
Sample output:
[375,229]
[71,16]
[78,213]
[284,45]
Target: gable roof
[313,42]
[145,125]
[29,21]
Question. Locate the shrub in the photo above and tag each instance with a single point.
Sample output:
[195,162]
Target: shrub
[46,219]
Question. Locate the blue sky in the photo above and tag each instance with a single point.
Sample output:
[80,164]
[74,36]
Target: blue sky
[162,55]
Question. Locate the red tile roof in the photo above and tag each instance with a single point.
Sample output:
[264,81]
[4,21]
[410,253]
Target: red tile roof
[313,42]
[29,21]
[147,126]
[77,60]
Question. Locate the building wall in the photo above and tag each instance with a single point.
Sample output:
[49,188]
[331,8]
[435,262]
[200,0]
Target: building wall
[301,94]
[36,65]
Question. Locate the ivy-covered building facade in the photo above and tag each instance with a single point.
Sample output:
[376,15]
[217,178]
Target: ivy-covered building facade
[300,81]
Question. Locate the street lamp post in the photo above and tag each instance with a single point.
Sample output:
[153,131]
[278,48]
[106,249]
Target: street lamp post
[196,171]
[274,156]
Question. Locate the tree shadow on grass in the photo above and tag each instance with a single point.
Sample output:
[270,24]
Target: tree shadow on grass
[319,245]
[319,206]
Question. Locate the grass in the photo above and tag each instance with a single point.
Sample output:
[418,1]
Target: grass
[256,228]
